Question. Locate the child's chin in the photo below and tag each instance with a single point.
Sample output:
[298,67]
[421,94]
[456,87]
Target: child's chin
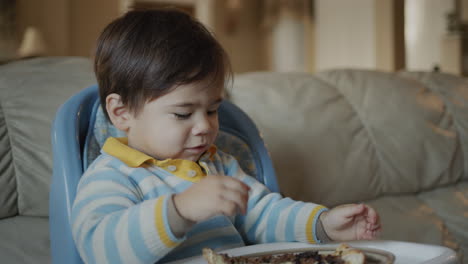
[193,158]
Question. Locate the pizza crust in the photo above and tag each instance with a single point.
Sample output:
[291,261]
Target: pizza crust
[350,255]
[212,257]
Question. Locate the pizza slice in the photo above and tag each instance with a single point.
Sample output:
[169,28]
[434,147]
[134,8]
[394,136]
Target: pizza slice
[342,255]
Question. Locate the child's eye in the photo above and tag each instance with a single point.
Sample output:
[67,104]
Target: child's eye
[182,116]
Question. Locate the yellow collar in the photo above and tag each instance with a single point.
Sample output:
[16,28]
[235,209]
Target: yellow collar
[185,169]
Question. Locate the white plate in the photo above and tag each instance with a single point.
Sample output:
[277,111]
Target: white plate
[404,252]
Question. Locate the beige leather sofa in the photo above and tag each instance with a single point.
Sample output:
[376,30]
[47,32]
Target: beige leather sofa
[30,93]
[396,141]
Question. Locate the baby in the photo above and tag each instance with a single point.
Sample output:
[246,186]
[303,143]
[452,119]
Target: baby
[164,191]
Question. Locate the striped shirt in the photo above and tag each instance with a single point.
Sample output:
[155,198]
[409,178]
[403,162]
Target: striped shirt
[120,214]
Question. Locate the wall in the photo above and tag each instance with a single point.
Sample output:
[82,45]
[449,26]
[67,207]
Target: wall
[290,37]
[356,33]
[7,30]
[389,35]
[88,19]
[345,34]
[367,34]
[69,27]
[424,32]
[244,43]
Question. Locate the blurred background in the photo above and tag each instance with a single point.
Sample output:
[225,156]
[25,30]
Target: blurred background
[265,35]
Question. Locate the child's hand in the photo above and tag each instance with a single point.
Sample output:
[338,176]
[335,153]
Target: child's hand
[214,195]
[351,222]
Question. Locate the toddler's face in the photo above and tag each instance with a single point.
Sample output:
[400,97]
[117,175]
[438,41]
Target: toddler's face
[179,125]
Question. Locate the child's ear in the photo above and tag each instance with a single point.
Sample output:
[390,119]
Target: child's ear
[119,113]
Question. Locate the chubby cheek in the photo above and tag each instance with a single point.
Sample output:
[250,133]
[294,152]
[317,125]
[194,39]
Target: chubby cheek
[214,124]
[215,134]
[176,136]
[179,138]
[167,145]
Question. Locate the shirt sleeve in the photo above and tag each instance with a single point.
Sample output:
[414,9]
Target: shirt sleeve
[112,223]
[271,217]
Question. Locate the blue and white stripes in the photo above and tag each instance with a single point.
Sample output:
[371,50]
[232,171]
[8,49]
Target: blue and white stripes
[120,214]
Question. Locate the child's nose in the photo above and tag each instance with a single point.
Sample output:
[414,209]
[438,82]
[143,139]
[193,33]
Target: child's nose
[203,126]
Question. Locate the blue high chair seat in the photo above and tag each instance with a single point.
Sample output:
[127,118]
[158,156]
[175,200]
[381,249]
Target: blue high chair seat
[80,129]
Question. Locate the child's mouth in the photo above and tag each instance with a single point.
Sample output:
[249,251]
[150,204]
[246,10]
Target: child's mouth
[197,149]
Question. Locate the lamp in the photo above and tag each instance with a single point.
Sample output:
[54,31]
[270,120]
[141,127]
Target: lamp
[32,44]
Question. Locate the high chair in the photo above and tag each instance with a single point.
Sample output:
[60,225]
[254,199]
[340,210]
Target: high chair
[80,129]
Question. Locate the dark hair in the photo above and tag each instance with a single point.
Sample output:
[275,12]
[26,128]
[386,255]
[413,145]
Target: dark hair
[146,53]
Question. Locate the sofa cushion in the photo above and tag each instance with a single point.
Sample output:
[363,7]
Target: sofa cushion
[450,204]
[387,133]
[433,217]
[30,93]
[411,131]
[8,194]
[406,218]
[453,91]
[24,240]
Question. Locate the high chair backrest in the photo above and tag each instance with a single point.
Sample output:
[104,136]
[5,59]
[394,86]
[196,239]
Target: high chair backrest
[78,132]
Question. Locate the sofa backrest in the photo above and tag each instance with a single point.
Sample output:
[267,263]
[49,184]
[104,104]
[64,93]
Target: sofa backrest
[30,93]
[353,135]
[337,136]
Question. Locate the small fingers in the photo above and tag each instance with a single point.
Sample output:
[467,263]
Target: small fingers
[237,192]
[232,194]
[372,234]
[235,184]
[238,199]
[352,210]
[372,216]
[372,231]
[368,235]
[373,228]
[228,208]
